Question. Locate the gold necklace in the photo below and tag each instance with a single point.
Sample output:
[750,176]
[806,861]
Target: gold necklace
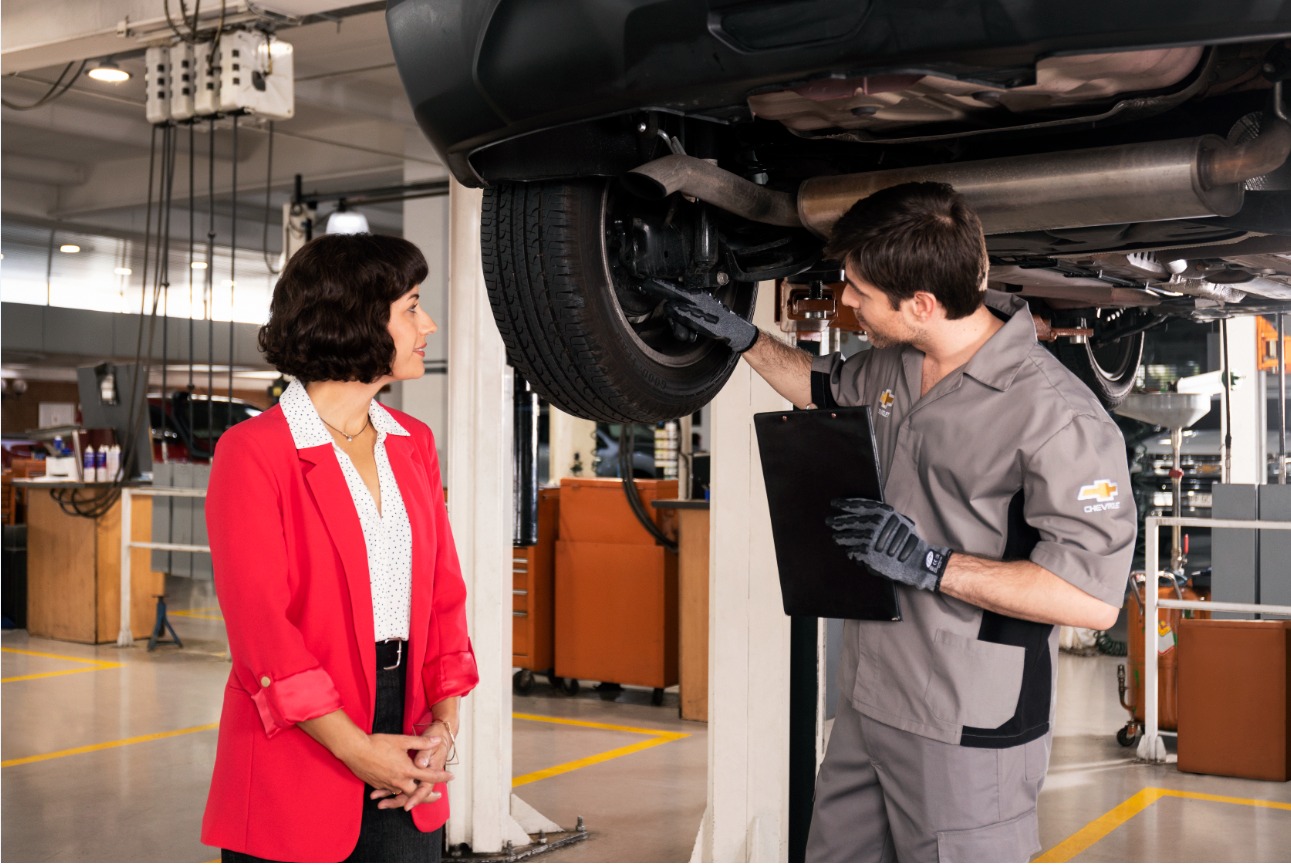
[348,437]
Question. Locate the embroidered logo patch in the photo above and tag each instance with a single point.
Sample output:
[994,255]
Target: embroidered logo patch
[886,399]
[1103,492]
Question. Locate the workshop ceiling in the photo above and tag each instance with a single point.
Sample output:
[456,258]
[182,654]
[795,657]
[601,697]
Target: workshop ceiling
[83,159]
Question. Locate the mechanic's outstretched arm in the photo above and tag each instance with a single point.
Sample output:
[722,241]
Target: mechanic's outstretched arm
[785,367]
[885,541]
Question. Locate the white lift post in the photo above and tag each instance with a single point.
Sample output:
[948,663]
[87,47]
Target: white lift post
[747,818]
[479,470]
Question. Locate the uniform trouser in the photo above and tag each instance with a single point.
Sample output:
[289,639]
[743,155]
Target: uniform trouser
[885,795]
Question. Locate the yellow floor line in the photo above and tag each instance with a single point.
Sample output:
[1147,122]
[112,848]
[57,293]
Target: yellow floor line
[103,746]
[1101,827]
[596,725]
[658,737]
[81,660]
[28,676]
[95,665]
[212,613]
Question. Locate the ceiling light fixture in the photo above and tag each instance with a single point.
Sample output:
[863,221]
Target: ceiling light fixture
[122,271]
[198,265]
[345,221]
[109,72]
[69,248]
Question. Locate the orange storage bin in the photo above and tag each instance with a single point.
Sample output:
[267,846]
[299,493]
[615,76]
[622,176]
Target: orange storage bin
[616,588]
[1234,711]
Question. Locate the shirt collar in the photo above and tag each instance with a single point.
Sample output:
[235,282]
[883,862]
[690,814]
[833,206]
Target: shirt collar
[997,362]
[308,429]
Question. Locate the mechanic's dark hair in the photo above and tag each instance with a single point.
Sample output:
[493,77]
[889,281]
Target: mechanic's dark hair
[330,313]
[915,237]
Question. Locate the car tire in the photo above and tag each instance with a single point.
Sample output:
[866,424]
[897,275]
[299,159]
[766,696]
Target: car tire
[1108,370]
[559,297]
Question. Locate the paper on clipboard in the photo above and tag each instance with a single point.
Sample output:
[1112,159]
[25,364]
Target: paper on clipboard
[810,458]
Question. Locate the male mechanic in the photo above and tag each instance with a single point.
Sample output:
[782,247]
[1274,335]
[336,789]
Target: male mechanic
[1007,512]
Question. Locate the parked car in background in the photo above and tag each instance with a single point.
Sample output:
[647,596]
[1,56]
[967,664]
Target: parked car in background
[186,426]
[1127,160]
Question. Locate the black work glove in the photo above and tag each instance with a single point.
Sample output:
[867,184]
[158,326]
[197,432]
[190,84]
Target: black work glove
[699,311]
[885,541]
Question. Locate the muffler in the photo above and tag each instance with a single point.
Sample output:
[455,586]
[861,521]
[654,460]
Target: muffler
[1180,179]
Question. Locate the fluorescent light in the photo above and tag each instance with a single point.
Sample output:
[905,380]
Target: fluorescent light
[198,265]
[122,271]
[69,248]
[109,72]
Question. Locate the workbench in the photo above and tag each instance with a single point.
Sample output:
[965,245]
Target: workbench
[74,569]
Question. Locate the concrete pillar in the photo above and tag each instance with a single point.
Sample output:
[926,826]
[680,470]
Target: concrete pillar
[748,733]
[426,223]
[1249,463]
[479,471]
[572,442]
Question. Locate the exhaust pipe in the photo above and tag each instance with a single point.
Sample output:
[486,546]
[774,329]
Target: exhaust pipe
[717,186]
[1191,177]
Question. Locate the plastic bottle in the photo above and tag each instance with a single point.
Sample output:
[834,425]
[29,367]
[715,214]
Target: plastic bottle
[114,463]
[87,465]
[101,464]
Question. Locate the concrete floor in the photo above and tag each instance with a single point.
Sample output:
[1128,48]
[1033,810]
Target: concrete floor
[106,756]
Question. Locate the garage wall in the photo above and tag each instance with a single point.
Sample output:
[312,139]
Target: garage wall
[51,331]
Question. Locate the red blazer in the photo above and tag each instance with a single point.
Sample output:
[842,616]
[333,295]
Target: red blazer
[291,574]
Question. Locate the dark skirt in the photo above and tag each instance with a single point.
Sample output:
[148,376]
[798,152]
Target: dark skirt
[386,835]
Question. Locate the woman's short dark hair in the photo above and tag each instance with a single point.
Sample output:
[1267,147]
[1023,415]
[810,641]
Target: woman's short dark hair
[330,313]
[915,237]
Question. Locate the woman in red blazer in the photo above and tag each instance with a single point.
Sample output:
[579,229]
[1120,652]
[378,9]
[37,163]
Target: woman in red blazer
[338,580]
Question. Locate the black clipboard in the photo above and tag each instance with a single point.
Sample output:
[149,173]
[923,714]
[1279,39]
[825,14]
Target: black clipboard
[809,458]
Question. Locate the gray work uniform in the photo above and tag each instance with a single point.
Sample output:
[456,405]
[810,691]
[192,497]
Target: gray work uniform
[1009,457]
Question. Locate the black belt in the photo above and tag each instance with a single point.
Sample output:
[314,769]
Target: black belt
[391,653]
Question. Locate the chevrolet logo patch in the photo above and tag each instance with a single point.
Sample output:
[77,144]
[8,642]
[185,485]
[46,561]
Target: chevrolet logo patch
[886,399]
[1101,490]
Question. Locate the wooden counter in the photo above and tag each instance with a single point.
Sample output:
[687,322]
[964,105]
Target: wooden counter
[74,572]
[692,602]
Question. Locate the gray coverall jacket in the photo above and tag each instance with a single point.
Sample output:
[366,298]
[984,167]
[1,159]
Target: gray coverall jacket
[1009,457]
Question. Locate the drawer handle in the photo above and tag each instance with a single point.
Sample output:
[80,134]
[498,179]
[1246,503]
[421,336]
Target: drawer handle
[519,614]
[519,591]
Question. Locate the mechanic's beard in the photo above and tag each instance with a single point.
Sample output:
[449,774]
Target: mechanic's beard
[884,340]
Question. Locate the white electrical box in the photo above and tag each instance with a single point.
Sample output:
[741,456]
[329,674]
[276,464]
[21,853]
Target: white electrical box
[206,98]
[182,81]
[157,83]
[256,75]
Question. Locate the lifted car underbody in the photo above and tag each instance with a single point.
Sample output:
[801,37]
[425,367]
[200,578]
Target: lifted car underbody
[1129,166]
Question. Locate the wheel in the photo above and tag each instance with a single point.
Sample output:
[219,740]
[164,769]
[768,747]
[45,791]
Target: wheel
[1128,736]
[522,682]
[567,303]
[1107,366]
[568,687]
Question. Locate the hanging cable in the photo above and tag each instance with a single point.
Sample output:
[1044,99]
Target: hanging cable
[189,37]
[192,249]
[233,282]
[627,448]
[268,185]
[210,288]
[53,92]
